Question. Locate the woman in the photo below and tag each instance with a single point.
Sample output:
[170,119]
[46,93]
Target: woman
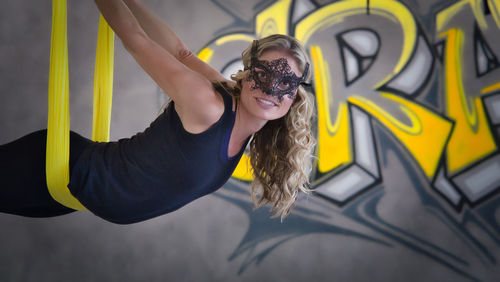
[193,147]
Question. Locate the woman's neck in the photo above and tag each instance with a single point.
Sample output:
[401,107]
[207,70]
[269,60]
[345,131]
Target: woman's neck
[245,123]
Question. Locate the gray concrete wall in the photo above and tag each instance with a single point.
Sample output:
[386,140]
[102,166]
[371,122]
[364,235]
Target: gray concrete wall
[401,205]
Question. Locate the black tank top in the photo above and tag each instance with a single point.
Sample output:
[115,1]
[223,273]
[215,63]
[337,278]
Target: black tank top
[156,171]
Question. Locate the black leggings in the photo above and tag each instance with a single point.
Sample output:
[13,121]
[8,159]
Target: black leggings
[23,188]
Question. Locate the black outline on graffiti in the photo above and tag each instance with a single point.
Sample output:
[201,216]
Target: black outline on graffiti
[490,122]
[343,44]
[476,163]
[492,63]
[323,177]
[439,55]
[427,79]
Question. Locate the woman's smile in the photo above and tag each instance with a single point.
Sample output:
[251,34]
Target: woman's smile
[265,103]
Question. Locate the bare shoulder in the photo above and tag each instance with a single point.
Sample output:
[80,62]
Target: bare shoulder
[199,107]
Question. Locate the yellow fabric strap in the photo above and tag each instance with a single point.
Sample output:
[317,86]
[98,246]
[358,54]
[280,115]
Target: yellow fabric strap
[57,157]
[103,82]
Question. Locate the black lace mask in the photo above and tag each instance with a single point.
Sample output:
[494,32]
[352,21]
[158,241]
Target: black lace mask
[274,78]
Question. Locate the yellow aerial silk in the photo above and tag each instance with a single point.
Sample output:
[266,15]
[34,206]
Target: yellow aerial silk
[57,163]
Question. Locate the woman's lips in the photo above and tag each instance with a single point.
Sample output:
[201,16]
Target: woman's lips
[265,103]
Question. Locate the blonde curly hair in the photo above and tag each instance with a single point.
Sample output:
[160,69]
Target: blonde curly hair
[281,152]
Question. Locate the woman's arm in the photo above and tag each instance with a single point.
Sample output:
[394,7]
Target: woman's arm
[195,101]
[162,34]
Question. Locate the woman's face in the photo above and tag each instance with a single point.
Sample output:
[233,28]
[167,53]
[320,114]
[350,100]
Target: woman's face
[254,98]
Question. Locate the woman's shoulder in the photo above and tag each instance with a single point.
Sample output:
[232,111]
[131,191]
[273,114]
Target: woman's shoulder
[202,111]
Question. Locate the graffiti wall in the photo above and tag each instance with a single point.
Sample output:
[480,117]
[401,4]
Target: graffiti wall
[418,78]
[406,174]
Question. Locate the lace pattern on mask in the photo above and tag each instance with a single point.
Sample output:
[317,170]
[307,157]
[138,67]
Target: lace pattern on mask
[274,78]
